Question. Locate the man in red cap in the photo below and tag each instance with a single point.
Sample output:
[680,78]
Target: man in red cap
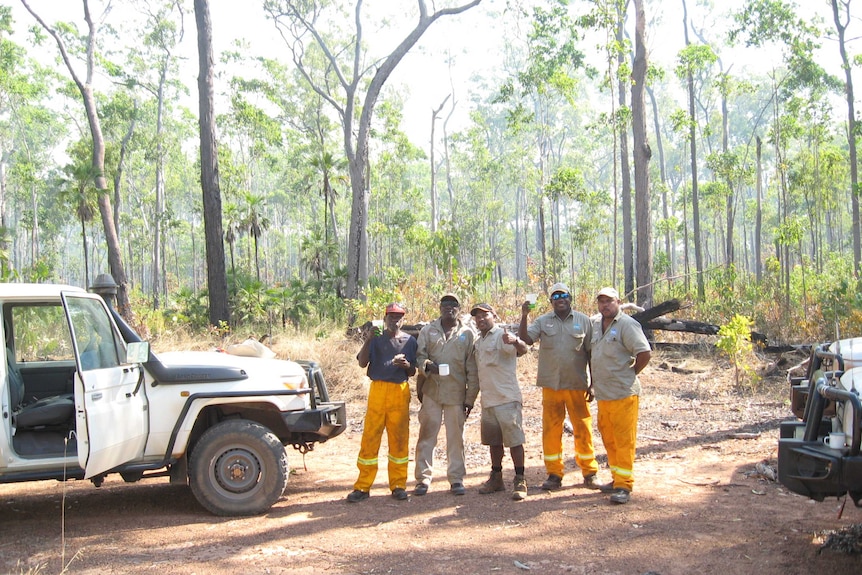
[391,360]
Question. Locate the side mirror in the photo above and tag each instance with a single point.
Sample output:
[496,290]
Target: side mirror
[137,352]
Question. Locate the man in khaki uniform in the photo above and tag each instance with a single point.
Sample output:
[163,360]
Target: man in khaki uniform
[564,353]
[620,352]
[497,353]
[446,398]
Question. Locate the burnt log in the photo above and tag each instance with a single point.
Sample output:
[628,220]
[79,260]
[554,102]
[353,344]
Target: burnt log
[657,311]
[689,326]
[651,319]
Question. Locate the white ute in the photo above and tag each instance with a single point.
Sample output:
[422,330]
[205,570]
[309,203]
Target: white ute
[82,396]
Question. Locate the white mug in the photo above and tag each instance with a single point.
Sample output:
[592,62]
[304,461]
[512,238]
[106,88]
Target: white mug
[443,368]
[835,440]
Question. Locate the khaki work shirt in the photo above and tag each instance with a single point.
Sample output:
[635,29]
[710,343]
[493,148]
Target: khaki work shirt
[614,354]
[497,362]
[564,350]
[461,386]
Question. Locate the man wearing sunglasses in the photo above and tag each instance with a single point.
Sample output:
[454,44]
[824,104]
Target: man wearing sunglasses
[564,354]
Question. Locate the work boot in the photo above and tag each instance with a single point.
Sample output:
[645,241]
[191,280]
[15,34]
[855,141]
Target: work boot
[621,496]
[592,482]
[552,483]
[520,491]
[357,495]
[607,487]
[494,483]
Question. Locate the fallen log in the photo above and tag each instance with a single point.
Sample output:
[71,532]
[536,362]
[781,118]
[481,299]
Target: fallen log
[661,309]
[669,324]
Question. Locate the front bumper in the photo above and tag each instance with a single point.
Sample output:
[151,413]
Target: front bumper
[326,421]
[814,470]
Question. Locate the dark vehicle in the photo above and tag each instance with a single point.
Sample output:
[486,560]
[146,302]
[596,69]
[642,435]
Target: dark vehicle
[818,455]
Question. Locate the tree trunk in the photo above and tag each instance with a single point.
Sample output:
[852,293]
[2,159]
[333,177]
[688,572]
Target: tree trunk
[5,263]
[625,170]
[758,218]
[434,114]
[216,274]
[355,143]
[642,156]
[121,164]
[695,204]
[664,187]
[841,27]
[115,258]
[729,216]
[160,189]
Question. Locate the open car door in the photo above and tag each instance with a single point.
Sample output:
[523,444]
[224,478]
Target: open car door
[110,401]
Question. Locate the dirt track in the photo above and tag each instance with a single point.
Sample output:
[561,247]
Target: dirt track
[699,506]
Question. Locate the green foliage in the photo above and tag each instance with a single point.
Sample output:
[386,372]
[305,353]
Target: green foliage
[734,339]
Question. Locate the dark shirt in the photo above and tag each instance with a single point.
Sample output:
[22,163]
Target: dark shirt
[381,351]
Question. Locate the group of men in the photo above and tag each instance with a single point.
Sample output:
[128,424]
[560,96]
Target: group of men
[580,358]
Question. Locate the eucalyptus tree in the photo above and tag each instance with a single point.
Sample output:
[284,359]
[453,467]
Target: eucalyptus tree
[29,129]
[155,69]
[538,94]
[776,22]
[352,86]
[841,17]
[219,311]
[85,87]
[642,155]
[694,60]
[299,136]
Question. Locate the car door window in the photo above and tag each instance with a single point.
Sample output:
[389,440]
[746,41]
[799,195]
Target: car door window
[94,336]
[41,334]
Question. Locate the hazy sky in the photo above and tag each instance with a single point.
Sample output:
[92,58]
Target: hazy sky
[474,41]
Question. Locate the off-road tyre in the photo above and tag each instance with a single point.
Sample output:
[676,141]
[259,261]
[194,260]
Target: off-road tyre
[238,467]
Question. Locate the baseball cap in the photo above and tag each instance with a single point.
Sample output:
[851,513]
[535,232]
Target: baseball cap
[559,286]
[481,307]
[609,292]
[450,296]
[395,308]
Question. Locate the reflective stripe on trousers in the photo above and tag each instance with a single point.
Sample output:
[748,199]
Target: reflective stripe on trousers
[618,424]
[388,409]
[555,403]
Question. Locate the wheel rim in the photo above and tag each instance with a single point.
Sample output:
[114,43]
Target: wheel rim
[237,470]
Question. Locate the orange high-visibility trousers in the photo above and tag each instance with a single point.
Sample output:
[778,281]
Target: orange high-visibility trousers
[555,403]
[618,424]
[389,409]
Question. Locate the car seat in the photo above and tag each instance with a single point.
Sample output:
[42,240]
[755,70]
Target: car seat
[48,411]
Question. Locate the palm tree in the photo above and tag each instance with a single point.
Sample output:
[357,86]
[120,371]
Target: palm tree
[316,252]
[330,169]
[255,222]
[79,193]
[231,227]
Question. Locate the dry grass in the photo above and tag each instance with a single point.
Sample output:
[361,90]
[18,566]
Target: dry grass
[710,373]
[336,354]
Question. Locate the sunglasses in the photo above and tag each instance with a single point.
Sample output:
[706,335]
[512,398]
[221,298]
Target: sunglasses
[449,303]
[558,295]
